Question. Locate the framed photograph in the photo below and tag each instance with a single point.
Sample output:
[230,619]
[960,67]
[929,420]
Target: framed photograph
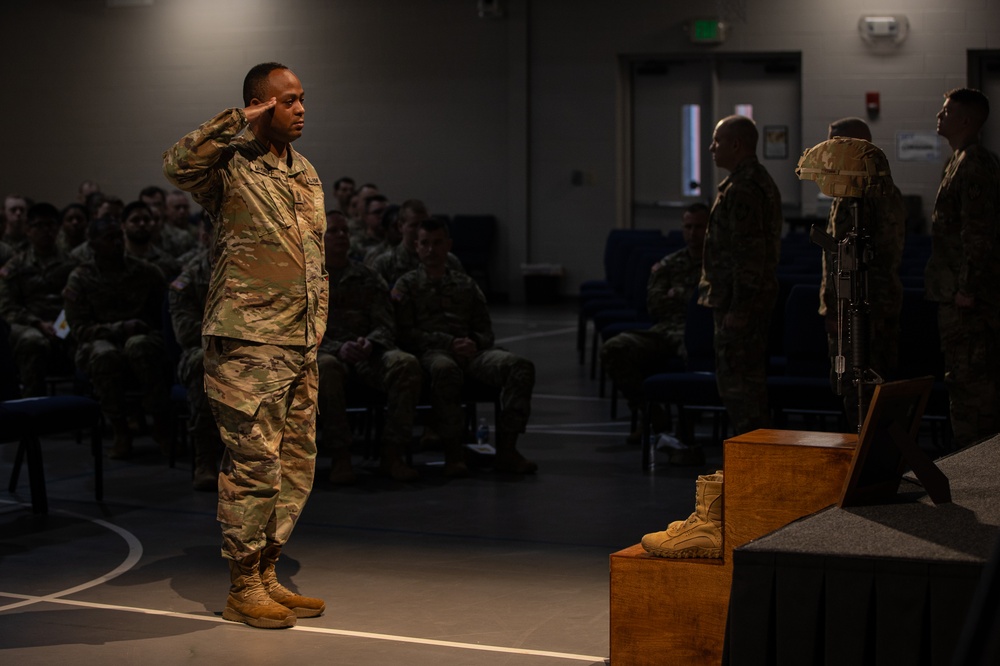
[776,142]
[888,445]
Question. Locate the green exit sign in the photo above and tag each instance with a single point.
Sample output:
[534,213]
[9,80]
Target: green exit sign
[707,31]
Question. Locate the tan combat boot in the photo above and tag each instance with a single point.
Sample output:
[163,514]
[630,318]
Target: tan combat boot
[454,459]
[248,600]
[508,459]
[121,449]
[391,463]
[342,473]
[701,534]
[299,605]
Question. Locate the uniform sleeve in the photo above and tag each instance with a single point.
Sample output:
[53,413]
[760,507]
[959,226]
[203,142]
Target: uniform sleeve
[659,304]
[12,306]
[980,211]
[83,323]
[383,331]
[185,311]
[745,208]
[479,320]
[192,163]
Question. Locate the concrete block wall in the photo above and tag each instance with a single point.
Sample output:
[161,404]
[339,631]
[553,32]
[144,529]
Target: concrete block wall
[428,100]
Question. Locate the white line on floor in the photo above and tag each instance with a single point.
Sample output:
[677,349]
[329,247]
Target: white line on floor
[134,554]
[529,336]
[313,630]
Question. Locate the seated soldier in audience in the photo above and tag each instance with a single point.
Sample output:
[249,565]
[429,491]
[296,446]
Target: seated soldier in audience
[15,212]
[630,357]
[356,207]
[442,318]
[187,296]
[343,188]
[31,287]
[138,225]
[371,234]
[114,310]
[360,343]
[111,206]
[390,235]
[403,258]
[177,236]
[73,227]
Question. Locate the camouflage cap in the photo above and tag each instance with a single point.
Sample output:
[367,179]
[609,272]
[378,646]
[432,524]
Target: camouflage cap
[845,167]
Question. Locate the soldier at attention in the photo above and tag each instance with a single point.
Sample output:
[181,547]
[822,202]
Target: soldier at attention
[738,279]
[963,273]
[264,318]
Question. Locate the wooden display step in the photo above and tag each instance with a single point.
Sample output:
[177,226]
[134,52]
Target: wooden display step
[666,611]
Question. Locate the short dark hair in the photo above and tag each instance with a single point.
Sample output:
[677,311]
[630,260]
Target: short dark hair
[376,198]
[973,100]
[343,179]
[851,128]
[43,210]
[153,191]
[698,207]
[132,207]
[389,216]
[432,224]
[255,82]
[75,206]
[101,225]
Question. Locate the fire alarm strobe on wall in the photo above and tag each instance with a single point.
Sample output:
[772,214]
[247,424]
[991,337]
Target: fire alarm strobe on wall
[884,28]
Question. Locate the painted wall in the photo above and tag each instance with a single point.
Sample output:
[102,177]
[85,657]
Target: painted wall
[428,100]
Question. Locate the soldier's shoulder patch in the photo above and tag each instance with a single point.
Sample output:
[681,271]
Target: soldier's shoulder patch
[179,284]
[396,294]
[5,272]
[70,294]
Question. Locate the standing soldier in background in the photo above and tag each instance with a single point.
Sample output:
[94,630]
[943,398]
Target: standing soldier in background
[738,278]
[885,220]
[187,295]
[963,273]
[31,286]
[264,319]
[360,341]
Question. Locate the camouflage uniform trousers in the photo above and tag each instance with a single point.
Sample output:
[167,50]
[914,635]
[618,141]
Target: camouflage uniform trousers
[741,370]
[36,354]
[512,374]
[111,368]
[883,358]
[264,401]
[202,430]
[969,340]
[394,372]
[631,356]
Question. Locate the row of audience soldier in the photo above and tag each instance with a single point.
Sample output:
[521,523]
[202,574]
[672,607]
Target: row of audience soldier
[94,304]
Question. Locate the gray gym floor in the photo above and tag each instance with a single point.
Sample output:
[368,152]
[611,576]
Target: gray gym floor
[484,570]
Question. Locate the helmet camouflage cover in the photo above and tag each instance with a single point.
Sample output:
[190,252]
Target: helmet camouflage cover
[845,167]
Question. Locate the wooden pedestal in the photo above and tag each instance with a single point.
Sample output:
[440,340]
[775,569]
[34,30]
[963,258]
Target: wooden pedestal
[666,611]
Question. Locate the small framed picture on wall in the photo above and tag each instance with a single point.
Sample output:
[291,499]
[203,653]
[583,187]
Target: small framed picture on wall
[776,142]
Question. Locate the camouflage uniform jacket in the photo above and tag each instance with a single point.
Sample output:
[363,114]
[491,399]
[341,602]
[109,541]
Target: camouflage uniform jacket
[188,294]
[399,261]
[678,271]
[31,287]
[743,242]
[965,226]
[885,220]
[359,308]
[6,253]
[98,304]
[269,281]
[430,314]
